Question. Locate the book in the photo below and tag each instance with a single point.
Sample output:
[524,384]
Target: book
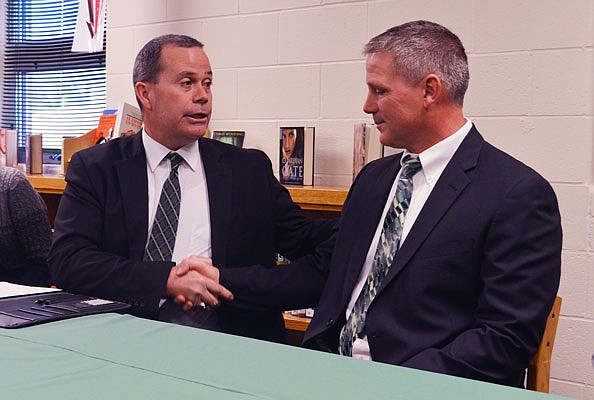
[296,164]
[33,154]
[2,147]
[234,138]
[128,120]
[106,125]
[366,146]
[8,147]
[282,260]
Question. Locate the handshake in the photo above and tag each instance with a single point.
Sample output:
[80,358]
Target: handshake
[194,282]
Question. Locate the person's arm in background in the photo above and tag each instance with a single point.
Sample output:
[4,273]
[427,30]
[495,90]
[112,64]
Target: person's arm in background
[30,222]
[307,242]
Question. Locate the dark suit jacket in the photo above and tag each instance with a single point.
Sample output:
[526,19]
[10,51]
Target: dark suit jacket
[101,227]
[470,289]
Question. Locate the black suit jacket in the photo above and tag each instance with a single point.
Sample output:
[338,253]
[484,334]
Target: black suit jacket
[101,227]
[469,290]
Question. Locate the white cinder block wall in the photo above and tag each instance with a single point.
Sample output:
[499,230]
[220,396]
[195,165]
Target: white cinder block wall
[280,62]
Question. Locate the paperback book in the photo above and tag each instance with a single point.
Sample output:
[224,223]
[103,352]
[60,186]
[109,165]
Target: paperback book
[128,120]
[106,126]
[234,138]
[8,147]
[296,164]
[366,146]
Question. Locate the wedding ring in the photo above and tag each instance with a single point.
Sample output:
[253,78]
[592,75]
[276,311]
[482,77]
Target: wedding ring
[199,303]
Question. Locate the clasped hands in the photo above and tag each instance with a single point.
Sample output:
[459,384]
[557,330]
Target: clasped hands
[194,282]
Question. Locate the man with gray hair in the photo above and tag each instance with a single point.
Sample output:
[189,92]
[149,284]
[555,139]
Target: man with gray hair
[447,255]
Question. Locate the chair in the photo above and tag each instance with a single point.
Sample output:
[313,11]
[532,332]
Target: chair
[539,369]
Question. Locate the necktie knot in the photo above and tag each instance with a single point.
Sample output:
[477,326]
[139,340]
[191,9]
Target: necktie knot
[175,159]
[410,166]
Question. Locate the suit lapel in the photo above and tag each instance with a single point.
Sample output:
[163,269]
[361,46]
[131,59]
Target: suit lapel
[367,204]
[219,182]
[132,180]
[448,188]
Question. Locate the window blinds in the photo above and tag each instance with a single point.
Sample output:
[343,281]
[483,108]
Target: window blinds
[47,88]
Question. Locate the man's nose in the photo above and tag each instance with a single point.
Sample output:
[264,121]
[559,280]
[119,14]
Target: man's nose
[370,105]
[200,94]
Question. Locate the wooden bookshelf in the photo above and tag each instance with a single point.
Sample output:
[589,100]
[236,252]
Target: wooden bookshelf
[318,198]
[313,198]
[295,328]
[295,323]
[50,182]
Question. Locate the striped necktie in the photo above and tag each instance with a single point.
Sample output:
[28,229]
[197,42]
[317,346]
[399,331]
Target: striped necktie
[162,240]
[384,255]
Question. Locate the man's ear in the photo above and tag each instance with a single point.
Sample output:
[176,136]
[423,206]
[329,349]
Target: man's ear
[434,89]
[143,90]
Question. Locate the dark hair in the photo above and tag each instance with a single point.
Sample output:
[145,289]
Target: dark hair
[298,148]
[422,47]
[147,65]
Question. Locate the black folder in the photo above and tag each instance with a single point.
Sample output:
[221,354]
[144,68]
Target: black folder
[19,311]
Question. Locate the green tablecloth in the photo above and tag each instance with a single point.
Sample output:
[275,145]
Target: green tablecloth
[114,356]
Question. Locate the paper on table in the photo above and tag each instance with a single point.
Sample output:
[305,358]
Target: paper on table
[10,290]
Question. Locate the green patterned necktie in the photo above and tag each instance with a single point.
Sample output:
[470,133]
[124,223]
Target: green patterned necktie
[162,240]
[386,250]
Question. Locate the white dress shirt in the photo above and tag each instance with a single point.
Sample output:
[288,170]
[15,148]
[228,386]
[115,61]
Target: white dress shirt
[193,229]
[433,162]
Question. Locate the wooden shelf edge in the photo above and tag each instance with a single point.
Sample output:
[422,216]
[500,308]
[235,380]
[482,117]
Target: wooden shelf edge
[47,184]
[295,323]
[318,197]
[50,182]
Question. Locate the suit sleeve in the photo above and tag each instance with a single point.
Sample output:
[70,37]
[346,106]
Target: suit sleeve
[307,242]
[287,287]
[520,276]
[297,235]
[78,260]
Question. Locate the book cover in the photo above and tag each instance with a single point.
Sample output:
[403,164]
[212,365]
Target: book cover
[128,120]
[2,147]
[106,125]
[234,138]
[296,164]
[366,146]
[8,147]
[33,154]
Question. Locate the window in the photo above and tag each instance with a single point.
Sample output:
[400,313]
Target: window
[47,88]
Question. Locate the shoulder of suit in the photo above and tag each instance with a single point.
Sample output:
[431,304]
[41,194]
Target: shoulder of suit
[391,161]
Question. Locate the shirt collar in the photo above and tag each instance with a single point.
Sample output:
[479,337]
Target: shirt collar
[436,158]
[155,152]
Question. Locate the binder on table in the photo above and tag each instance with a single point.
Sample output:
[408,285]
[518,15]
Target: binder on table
[53,305]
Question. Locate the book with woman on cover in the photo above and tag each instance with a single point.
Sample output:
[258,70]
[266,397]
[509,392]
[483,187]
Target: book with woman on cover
[296,155]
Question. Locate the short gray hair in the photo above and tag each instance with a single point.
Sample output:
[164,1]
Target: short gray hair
[147,65]
[422,47]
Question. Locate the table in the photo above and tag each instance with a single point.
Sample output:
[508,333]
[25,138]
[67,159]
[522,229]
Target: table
[112,356]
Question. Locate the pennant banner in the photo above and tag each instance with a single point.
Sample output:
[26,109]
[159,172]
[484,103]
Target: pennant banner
[89,26]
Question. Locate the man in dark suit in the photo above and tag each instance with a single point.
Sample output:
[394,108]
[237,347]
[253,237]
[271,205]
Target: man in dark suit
[447,256]
[119,198]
